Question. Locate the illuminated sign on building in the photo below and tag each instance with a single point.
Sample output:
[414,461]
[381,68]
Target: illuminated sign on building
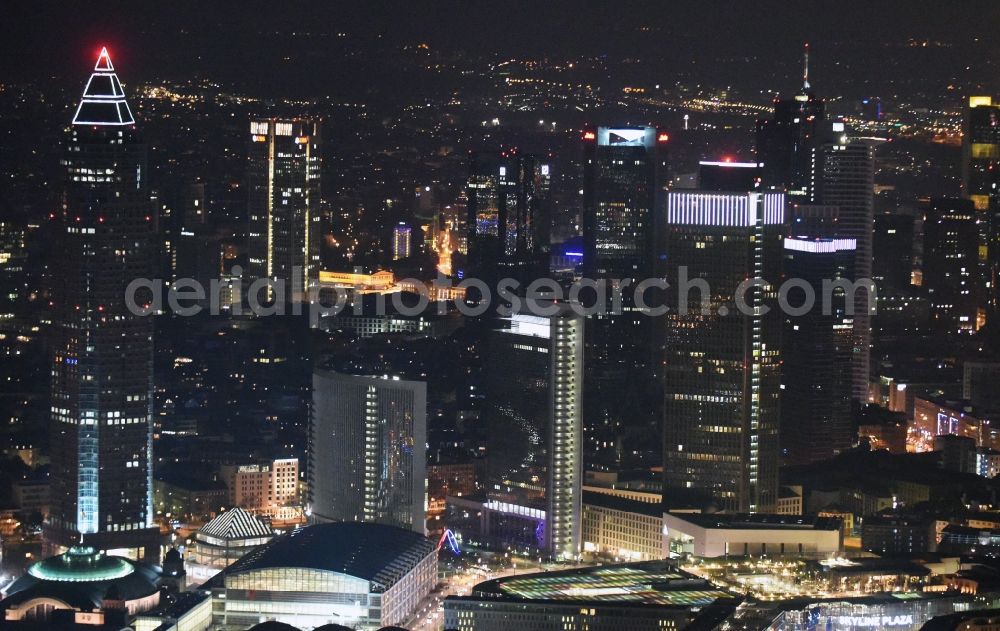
[879,622]
[626,136]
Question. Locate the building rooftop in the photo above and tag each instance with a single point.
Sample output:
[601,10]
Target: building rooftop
[648,583]
[236,523]
[373,552]
[616,502]
[759,521]
[81,578]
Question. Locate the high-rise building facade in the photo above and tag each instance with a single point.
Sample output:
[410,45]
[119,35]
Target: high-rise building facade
[951,270]
[816,350]
[981,151]
[401,240]
[283,184]
[893,246]
[368,448]
[102,360]
[843,175]
[534,385]
[509,216]
[625,174]
[722,360]
[981,184]
[784,140]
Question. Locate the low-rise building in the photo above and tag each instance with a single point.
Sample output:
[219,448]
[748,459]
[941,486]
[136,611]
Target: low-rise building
[191,498]
[789,500]
[715,535]
[266,488]
[444,479]
[229,537]
[650,596]
[622,529]
[31,495]
[892,612]
[898,535]
[359,575]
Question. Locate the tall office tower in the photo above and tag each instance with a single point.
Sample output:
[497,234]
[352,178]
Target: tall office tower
[102,364]
[283,182]
[722,366]
[981,184]
[784,141]
[401,239]
[625,173]
[981,151]
[892,251]
[843,175]
[816,349]
[509,217]
[13,274]
[368,448]
[951,265]
[534,373]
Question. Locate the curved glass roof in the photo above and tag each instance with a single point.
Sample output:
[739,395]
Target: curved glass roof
[80,565]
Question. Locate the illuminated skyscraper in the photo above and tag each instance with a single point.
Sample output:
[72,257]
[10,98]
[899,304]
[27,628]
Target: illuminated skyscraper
[816,350]
[981,151]
[722,366]
[624,176]
[102,362]
[367,448]
[843,175]
[401,239]
[951,270]
[981,184]
[817,162]
[533,387]
[283,181]
[509,216]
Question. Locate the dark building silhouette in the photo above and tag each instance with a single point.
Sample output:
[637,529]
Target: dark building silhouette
[784,140]
[951,271]
[625,174]
[509,217]
[816,420]
[892,251]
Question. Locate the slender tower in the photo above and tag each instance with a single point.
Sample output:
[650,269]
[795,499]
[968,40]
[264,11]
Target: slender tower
[283,181]
[102,360]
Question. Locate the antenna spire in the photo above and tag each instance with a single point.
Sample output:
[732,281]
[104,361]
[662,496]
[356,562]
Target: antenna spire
[103,101]
[805,67]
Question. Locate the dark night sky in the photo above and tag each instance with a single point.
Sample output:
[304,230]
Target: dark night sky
[237,42]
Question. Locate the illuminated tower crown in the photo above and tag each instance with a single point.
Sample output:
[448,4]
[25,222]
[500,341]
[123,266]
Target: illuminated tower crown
[103,101]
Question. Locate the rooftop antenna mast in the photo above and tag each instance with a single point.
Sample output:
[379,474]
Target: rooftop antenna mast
[805,67]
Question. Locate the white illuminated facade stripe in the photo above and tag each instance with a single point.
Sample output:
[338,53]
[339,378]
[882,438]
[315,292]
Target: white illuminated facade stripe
[724,209]
[738,165]
[103,101]
[820,246]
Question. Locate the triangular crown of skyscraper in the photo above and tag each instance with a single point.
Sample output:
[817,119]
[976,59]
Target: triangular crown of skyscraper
[103,101]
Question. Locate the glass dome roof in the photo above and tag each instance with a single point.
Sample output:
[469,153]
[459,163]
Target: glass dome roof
[81,564]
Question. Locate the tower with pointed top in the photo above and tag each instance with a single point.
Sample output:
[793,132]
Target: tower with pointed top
[783,141]
[102,351]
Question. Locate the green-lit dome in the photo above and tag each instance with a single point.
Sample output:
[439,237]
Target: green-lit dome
[80,565]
